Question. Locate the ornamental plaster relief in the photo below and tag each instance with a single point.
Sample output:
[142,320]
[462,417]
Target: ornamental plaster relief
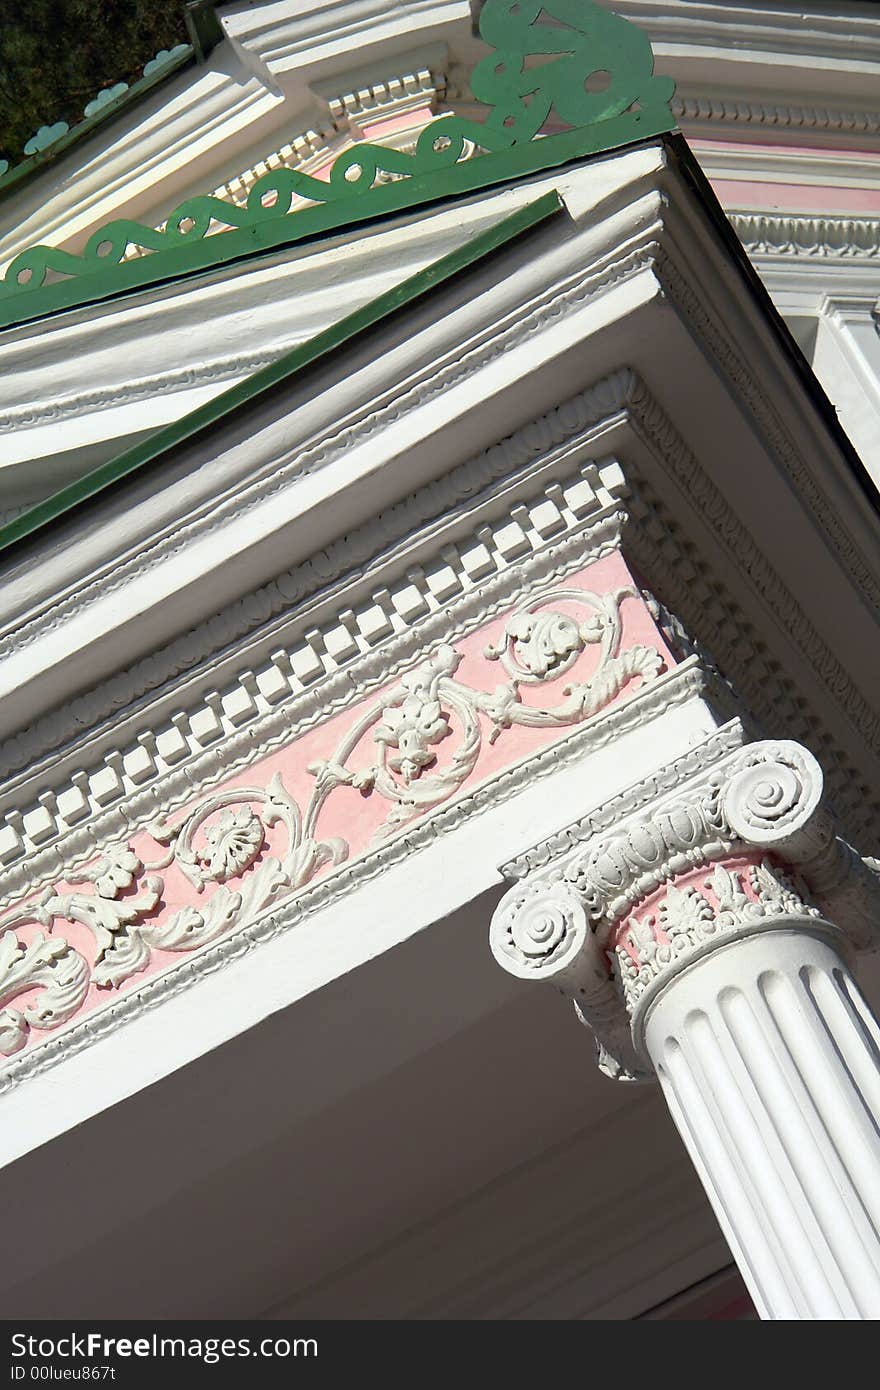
[539,540]
[694,911]
[749,847]
[457,719]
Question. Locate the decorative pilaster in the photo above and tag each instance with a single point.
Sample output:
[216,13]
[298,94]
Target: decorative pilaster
[710,944]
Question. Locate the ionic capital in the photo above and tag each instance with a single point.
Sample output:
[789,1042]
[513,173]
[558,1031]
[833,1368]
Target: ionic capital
[745,847]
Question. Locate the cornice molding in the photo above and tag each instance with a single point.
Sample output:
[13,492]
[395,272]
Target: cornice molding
[787,234]
[274,474]
[695,110]
[683,580]
[77,404]
[206,757]
[284,37]
[270,476]
[850,33]
[752,392]
[825,169]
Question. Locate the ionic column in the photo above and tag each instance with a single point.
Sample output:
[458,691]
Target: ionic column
[710,944]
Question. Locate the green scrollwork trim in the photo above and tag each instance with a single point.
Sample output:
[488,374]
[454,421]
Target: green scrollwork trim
[588,67]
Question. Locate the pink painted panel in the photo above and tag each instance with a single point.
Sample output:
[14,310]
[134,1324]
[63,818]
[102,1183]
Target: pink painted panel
[740,194]
[468,710]
[699,879]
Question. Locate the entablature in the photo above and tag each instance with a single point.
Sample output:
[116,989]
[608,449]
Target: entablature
[484,561]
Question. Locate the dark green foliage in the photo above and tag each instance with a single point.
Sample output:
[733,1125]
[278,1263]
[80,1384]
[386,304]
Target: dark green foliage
[56,55]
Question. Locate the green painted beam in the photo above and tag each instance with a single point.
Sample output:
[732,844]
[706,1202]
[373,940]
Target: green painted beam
[283,371]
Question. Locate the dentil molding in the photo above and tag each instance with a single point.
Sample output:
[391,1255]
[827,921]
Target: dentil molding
[765,412]
[698,109]
[541,539]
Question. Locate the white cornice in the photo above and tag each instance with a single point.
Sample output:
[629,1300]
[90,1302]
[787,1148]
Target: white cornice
[773,66]
[789,234]
[263,705]
[819,168]
[485,553]
[287,35]
[266,469]
[845,36]
[701,113]
[97,376]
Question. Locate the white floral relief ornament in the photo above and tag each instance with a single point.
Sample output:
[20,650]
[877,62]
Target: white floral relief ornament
[234,841]
[115,871]
[688,919]
[543,644]
[539,643]
[46,964]
[412,728]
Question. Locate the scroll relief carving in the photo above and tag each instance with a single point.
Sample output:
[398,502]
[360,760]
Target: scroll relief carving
[225,836]
[751,846]
[538,644]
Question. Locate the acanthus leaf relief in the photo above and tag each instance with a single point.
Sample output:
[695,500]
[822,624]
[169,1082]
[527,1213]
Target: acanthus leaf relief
[414,746]
[51,967]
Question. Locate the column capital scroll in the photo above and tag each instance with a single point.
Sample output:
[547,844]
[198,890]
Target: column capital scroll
[745,846]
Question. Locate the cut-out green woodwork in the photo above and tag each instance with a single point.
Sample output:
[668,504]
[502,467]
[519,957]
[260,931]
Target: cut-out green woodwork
[46,136]
[104,98]
[39,150]
[568,59]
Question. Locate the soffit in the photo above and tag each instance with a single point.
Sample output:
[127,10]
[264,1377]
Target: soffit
[380,1150]
[306,1167]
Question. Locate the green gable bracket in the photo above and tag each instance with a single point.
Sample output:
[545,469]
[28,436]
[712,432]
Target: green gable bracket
[204,28]
[592,71]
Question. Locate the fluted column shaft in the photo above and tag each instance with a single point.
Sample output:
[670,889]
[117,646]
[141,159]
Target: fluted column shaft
[709,942]
[770,1062]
